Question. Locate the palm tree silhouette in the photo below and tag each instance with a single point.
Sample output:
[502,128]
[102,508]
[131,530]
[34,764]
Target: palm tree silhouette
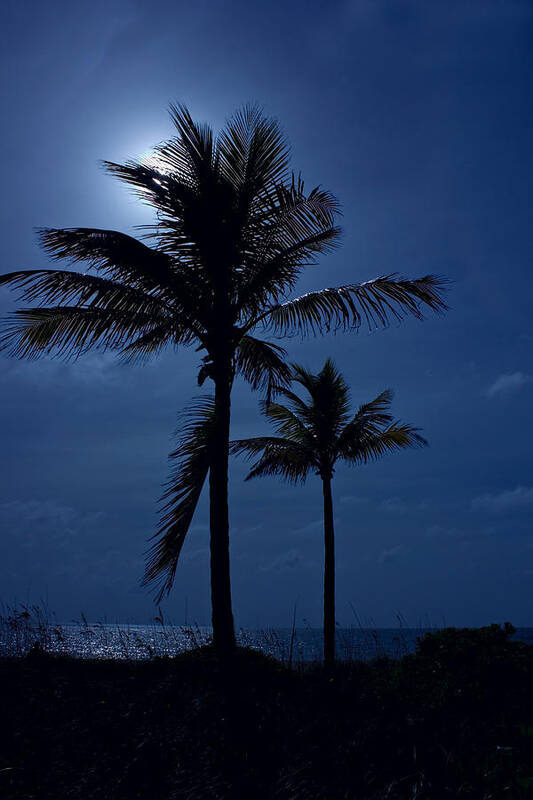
[234,229]
[313,436]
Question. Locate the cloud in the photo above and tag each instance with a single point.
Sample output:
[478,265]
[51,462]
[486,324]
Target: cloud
[390,555]
[200,554]
[507,383]
[292,559]
[46,519]
[311,529]
[439,531]
[92,368]
[45,539]
[517,498]
[394,505]
[352,500]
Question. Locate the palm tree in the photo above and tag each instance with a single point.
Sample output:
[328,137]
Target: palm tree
[313,436]
[233,231]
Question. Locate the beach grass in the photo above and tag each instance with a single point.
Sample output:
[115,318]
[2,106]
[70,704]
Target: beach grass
[454,719]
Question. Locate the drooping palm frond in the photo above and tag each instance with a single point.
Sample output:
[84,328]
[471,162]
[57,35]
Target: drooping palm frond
[70,331]
[280,456]
[117,255]
[172,315]
[377,302]
[262,365]
[192,458]
[127,312]
[370,446]
[154,341]
[251,447]
[53,285]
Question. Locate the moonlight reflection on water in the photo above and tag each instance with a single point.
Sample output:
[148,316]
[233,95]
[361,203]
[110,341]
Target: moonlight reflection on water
[21,630]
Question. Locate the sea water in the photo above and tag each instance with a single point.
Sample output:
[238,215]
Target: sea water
[102,640]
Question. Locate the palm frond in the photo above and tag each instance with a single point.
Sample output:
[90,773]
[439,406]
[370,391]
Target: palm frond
[196,145]
[292,224]
[377,408]
[262,365]
[291,464]
[318,207]
[315,434]
[270,278]
[289,423]
[71,330]
[251,447]
[326,413]
[284,234]
[134,265]
[192,458]
[369,446]
[197,227]
[115,254]
[169,159]
[253,154]
[280,456]
[304,377]
[371,418]
[295,404]
[376,302]
[153,341]
[67,287]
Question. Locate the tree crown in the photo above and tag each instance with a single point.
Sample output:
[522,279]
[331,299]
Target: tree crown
[234,229]
[314,434]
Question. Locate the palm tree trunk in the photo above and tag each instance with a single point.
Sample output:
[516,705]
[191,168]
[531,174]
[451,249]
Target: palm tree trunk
[221,611]
[329,575]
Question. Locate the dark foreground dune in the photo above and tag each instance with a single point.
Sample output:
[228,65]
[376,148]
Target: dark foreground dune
[453,720]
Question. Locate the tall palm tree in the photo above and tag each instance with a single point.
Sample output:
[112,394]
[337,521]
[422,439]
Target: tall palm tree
[233,231]
[313,436]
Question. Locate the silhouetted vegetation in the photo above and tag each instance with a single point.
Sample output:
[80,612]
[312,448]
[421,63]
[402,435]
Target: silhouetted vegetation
[234,231]
[313,434]
[454,719]
[23,626]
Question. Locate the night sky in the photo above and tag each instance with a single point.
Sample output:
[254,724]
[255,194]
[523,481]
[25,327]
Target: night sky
[418,116]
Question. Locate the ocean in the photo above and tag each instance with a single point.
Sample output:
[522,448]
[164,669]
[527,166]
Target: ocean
[101,640]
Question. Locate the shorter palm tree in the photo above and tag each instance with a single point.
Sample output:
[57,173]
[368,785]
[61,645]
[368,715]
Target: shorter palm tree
[313,436]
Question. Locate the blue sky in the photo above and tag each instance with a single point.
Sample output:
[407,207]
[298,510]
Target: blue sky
[418,117]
